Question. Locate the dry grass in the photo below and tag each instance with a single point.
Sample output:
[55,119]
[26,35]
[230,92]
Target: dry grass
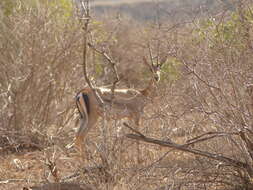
[115,3]
[202,90]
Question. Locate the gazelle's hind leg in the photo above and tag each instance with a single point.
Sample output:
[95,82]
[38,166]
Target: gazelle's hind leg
[82,132]
[79,145]
[80,135]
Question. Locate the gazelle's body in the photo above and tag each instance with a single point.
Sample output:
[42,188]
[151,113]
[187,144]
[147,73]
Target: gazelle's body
[125,103]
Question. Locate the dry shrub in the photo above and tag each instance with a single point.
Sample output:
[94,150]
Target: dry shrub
[37,52]
[211,96]
[202,91]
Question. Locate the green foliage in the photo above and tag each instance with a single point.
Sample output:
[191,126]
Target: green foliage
[229,33]
[98,68]
[60,9]
[64,8]
[100,33]
[7,6]
[205,27]
[170,69]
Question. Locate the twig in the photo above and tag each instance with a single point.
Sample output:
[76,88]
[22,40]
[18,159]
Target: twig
[192,71]
[76,174]
[53,170]
[134,130]
[85,52]
[112,64]
[202,137]
[13,180]
[82,171]
[184,148]
[248,142]
[156,161]
[7,181]
[110,61]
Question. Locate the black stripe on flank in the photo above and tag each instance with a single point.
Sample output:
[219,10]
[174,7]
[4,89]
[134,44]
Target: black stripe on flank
[87,103]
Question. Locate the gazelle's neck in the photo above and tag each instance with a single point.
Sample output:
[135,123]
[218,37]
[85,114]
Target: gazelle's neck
[148,91]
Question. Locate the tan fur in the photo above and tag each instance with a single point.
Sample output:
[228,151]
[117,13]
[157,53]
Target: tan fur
[126,103]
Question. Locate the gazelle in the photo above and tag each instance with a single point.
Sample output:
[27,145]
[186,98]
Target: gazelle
[126,103]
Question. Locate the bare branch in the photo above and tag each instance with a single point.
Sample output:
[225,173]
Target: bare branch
[112,64]
[248,143]
[85,51]
[208,136]
[53,169]
[198,77]
[15,181]
[134,130]
[184,148]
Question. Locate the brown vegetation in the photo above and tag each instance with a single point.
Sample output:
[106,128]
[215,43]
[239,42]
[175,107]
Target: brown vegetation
[196,135]
[60,186]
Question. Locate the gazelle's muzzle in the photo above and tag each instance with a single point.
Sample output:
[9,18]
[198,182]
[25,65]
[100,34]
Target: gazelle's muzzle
[157,78]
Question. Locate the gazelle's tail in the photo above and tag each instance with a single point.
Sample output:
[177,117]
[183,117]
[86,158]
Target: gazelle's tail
[83,106]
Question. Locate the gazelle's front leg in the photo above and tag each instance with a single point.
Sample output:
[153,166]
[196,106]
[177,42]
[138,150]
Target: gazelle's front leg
[137,122]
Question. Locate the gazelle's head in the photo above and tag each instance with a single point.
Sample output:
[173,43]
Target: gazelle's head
[155,69]
[249,89]
[151,90]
